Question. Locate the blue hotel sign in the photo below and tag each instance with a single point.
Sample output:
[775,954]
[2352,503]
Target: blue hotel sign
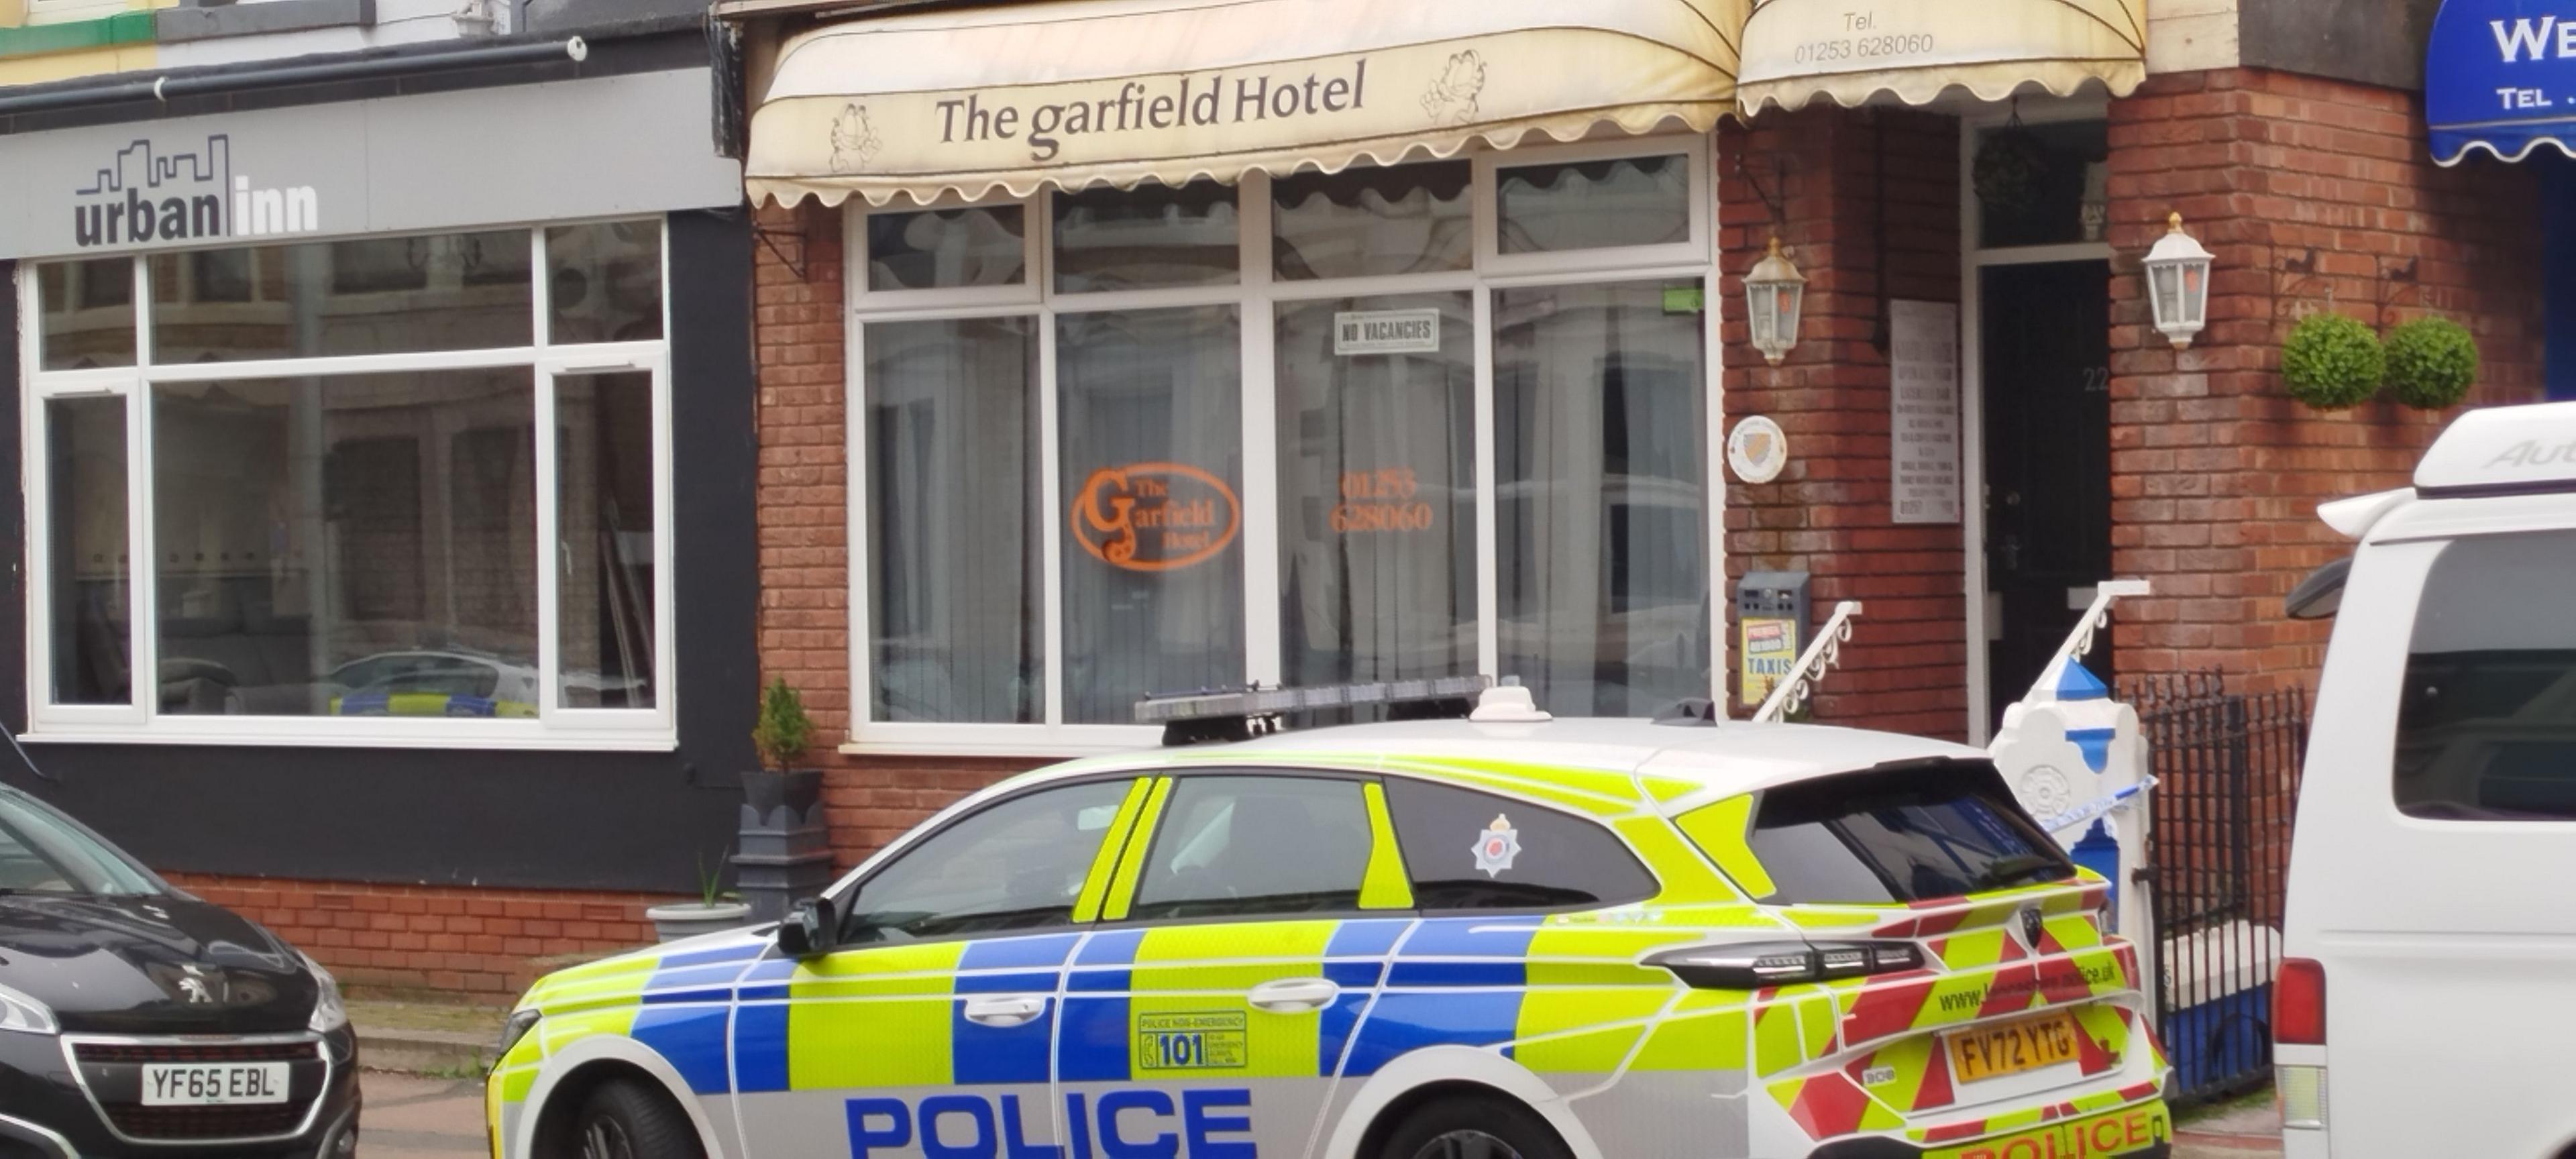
[2500,75]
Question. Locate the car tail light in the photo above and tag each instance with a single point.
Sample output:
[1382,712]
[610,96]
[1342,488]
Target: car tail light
[1755,965]
[2299,1003]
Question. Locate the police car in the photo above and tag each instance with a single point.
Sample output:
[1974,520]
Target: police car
[1504,937]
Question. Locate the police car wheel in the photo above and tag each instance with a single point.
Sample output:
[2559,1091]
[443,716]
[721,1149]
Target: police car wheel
[621,1120]
[1475,1127]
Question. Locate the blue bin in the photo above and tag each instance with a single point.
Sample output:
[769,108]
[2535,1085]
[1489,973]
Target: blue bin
[2218,1041]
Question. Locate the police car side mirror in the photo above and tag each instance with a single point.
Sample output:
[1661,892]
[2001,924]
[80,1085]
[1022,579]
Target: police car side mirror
[809,929]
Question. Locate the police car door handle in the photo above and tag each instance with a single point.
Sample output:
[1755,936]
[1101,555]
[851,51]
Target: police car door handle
[1293,995]
[1004,1011]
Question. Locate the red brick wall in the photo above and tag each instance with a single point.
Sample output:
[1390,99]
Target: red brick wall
[2216,470]
[804,538]
[486,944]
[1828,513]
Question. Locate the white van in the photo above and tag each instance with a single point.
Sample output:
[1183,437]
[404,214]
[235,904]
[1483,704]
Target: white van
[2428,1004]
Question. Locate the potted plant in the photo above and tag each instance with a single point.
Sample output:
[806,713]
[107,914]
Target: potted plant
[2432,362]
[2331,361]
[786,847]
[779,738]
[713,912]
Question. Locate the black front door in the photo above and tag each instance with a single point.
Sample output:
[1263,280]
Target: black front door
[2046,359]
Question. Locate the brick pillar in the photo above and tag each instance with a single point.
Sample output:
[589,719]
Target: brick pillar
[2216,471]
[1828,513]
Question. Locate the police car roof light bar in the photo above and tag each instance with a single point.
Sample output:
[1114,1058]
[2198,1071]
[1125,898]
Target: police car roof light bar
[1230,714]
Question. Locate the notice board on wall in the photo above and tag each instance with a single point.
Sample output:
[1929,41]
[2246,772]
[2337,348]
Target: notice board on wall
[1923,423]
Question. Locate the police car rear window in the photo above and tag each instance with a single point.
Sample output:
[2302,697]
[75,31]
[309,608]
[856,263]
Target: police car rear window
[1890,836]
[1468,850]
[2486,720]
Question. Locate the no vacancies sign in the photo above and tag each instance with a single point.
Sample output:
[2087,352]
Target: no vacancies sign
[586,148]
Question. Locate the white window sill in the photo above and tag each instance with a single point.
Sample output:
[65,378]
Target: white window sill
[464,740]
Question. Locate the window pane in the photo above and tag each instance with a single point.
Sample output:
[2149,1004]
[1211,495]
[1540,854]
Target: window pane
[85,527]
[2485,730]
[1377,513]
[1231,846]
[356,546]
[1470,850]
[1603,522]
[87,313]
[1365,221]
[1902,835]
[1153,235]
[1153,575]
[1581,205]
[320,299]
[938,249]
[604,282]
[604,512]
[1017,864]
[953,531]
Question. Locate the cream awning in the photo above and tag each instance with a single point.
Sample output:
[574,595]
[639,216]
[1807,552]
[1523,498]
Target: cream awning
[1798,50]
[1081,92]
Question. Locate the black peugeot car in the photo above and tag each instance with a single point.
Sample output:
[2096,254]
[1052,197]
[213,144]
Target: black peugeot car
[137,1020]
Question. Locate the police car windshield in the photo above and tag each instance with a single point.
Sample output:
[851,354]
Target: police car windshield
[1897,835]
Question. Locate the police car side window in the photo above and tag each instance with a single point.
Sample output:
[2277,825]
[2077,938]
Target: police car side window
[2486,719]
[1473,851]
[1014,865]
[1244,846]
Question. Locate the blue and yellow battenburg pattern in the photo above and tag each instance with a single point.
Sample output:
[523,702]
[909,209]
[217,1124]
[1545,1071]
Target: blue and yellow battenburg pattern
[1561,995]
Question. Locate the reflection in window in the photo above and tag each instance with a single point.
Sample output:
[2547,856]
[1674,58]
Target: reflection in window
[1151,405]
[1153,235]
[1235,846]
[604,282]
[1016,864]
[1377,515]
[321,299]
[1367,221]
[942,249]
[354,546]
[1899,836]
[86,547]
[2486,719]
[1602,516]
[86,313]
[953,521]
[1579,205]
[604,514]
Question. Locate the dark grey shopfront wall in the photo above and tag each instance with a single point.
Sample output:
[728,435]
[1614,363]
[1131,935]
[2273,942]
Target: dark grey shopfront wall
[642,821]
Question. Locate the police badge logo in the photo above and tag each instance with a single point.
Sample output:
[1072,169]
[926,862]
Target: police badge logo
[1496,848]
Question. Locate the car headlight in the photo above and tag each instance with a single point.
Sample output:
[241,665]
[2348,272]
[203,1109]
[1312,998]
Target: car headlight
[521,1022]
[24,1014]
[329,1013]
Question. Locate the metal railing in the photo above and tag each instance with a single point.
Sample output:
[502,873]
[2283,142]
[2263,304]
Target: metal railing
[2227,766]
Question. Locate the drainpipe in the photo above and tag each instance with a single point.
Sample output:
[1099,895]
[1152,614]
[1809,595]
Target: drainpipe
[167,87]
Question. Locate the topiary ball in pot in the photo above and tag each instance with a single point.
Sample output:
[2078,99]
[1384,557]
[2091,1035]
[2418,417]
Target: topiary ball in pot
[2332,361]
[2431,363]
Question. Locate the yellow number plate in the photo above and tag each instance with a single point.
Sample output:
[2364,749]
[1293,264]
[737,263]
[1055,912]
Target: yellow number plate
[2014,1047]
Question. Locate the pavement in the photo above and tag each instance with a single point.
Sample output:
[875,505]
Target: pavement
[416,1117]
[2247,1130]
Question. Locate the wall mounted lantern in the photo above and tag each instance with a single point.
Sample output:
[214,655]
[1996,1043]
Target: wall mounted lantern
[1773,295]
[2178,284]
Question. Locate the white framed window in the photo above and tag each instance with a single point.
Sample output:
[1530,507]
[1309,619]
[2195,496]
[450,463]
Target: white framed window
[378,491]
[1420,420]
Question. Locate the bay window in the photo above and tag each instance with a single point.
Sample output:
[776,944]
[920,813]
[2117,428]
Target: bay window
[390,490]
[1408,421]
